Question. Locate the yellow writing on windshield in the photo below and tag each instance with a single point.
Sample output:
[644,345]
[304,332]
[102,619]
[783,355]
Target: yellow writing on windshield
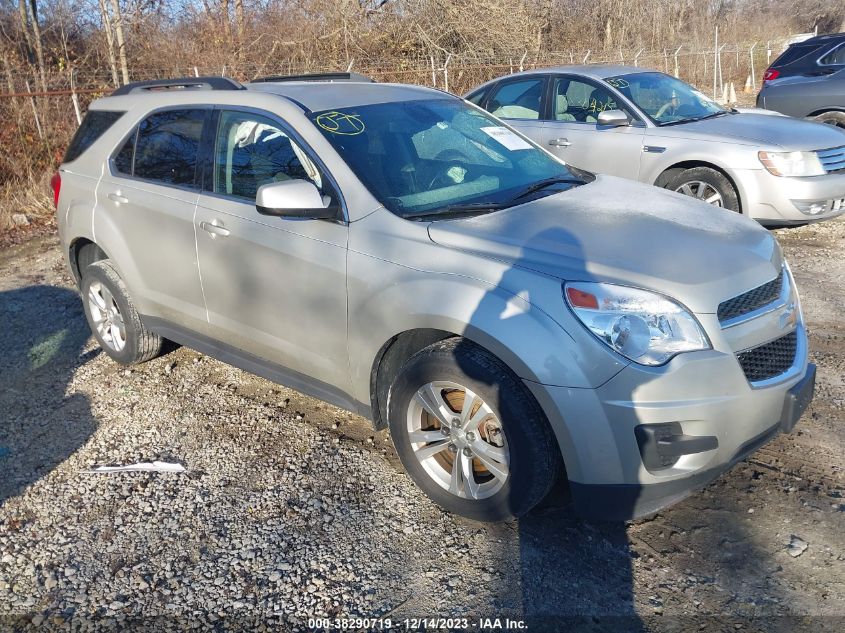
[340,123]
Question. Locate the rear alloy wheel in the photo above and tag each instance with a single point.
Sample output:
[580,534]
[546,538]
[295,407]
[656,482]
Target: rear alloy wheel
[113,318]
[707,185]
[470,434]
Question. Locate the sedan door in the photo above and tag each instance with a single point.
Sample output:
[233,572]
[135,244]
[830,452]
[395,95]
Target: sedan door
[275,287]
[574,134]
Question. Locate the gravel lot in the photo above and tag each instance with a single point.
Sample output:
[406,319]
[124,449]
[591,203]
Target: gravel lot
[291,509]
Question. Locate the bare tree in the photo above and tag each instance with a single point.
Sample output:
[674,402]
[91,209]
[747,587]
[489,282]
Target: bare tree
[121,42]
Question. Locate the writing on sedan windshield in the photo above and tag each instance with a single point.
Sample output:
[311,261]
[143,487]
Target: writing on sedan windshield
[341,123]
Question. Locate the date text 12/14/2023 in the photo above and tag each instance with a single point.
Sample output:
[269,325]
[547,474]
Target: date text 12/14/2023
[416,624]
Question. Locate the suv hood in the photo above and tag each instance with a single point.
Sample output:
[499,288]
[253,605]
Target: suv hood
[760,129]
[624,232]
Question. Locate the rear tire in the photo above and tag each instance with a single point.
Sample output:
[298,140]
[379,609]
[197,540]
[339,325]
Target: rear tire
[831,118]
[507,455]
[707,185]
[112,316]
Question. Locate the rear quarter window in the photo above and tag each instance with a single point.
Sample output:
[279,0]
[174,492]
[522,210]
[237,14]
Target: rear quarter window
[93,126]
[794,53]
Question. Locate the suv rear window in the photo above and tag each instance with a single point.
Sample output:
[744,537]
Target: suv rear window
[794,53]
[95,123]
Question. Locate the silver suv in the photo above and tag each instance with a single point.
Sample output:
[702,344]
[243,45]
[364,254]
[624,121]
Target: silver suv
[403,254]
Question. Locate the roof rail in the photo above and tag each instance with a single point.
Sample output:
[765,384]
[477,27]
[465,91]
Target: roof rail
[183,83]
[330,77]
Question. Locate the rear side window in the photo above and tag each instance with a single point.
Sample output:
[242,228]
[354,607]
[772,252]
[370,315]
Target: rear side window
[794,53]
[836,57]
[95,123]
[517,99]
[166,147]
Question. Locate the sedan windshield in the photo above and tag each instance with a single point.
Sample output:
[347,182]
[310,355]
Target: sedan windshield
[441,157]
[664,99]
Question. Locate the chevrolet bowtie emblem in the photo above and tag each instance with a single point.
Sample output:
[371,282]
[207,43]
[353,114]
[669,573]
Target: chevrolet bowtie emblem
[788,317]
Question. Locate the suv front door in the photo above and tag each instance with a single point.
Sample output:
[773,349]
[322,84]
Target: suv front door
[573,132]
[275,287]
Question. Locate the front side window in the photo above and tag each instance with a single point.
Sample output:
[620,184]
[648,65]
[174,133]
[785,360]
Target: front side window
[252,150]
[167,146]
[428,157]
[664,99]
[581,101]
[517,99]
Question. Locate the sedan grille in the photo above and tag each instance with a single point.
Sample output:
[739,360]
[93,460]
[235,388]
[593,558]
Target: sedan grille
[832,160]
[769,360]
[751,300]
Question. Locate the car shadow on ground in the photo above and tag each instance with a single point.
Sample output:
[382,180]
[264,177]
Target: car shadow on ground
[43,338]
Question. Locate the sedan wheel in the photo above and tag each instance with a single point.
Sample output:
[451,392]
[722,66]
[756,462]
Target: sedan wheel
[703,191]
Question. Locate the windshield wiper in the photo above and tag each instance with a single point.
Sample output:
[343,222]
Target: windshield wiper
[542,184]
[694,119]
[458,210]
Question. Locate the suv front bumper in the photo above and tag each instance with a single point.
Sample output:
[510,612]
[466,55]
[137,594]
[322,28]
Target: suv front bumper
[706,394]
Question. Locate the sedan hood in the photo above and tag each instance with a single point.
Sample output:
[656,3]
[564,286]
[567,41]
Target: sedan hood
[624,232]
[760,129]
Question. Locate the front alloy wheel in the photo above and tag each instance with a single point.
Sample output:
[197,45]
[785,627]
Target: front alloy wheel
[470,433]
[458,440]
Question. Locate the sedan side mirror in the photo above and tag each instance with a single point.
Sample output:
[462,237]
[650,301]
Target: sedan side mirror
[613,118]
[294,198]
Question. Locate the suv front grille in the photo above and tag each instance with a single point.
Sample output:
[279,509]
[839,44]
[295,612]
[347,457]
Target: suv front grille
[769,360]
[751,300]
[832,160]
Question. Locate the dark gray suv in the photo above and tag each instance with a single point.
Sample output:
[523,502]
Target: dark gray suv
[808,80]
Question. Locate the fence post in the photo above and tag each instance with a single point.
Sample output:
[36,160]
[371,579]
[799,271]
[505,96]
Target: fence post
[715,61]
[677,70]
[586,57]
[349,67]
[753,76]
[35,112]
[637,57]
[433,71]
[75,98]
[446,72]
[721,80]
[522,61]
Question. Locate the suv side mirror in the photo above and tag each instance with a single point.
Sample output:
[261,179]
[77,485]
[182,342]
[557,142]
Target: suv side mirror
[294,198]
[613,118]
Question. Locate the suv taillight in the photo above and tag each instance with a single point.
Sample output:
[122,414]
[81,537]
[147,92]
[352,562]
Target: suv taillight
[56,185]
[770,74]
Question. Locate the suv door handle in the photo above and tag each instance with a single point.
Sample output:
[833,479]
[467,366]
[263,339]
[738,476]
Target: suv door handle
[560,142]
[215,228]
[116,197]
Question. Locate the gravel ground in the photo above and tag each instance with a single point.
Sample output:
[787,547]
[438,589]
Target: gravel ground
[291,509]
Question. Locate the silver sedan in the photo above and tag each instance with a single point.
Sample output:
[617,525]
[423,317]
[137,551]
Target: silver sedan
[649,126]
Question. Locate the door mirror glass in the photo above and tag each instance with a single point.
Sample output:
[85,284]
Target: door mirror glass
[294,198]
[613,118]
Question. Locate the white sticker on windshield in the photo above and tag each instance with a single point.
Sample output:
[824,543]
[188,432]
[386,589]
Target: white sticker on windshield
[506,137]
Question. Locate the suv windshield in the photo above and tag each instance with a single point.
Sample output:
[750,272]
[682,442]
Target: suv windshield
[664,99]
[440,156]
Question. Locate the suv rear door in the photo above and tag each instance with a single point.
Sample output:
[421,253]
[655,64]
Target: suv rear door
[145,214]
[275,287]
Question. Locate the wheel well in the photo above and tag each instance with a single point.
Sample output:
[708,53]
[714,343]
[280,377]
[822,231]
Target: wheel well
[390,359]
[826,110]
[84,252]
[668,173]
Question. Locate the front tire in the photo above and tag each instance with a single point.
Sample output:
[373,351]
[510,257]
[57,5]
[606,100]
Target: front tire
[470,434]
[707,185]
[112,316]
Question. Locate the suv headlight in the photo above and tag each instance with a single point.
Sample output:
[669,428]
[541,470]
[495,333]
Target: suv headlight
[792,163]
[645,327]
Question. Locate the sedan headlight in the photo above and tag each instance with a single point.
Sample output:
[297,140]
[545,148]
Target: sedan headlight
[792,163]
[645,327]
